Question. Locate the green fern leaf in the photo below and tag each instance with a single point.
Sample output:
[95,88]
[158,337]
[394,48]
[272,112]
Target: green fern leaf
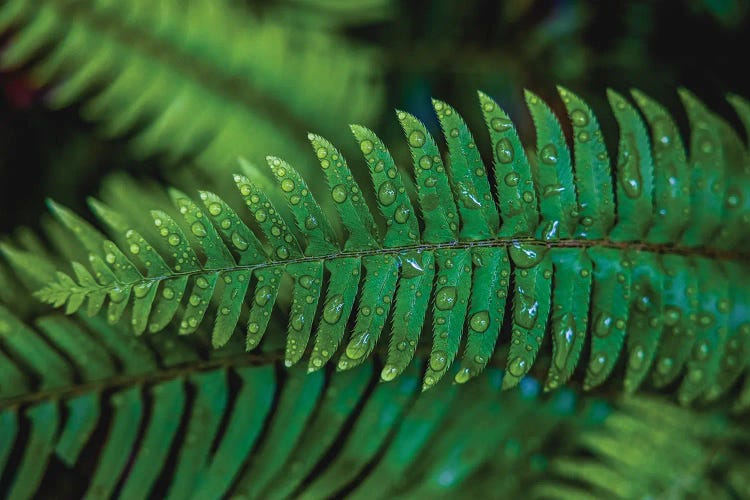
[188,81]
[665,296]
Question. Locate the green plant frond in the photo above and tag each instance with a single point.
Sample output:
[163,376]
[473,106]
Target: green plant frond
[169,416]
[191,79]
[586,257]
[649,449]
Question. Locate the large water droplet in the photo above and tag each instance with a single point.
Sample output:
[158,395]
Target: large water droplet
[198,229]
[480,321]
[548,154]
[501,124]
[263,295]
[445,298]
[411,265]
[238,241]
[173,240]
[438,361]
[598,363]
[512,179]
[527,311]
[517,367]
[297,321]
[389,372]
[366,146]
[603,324]
[338,193]
[526,256]
[630,171]
[425,162]
[282,252]
[579,118]
[387,193]
[214,209]
[637,358]
[504,150]
[416,139]
[358,347]
[333,308]
[402,213]
[141,290]
[565,338]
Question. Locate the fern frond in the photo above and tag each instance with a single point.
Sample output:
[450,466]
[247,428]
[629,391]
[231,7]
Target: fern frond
[570,238]
[190,79]
[167,416]
[673,453]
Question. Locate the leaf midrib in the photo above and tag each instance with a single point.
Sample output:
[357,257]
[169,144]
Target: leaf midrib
[454,245]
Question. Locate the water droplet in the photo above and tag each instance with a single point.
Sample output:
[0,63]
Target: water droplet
[135,249]
[528,197]
[527,311]
[425,162]
[579,118]
[598,363]
[214,209]
[665,366]
[629,168]
[141,290]
[411,265]
[287,185]
[512,179]
[387,193]
[402,213]
[637,358]
[480,321]
[526,256]
[504,150]
[517,367]
[501,124]
[706,319]
[238,241]
[297,321]
[389,372]
[358,347]
[445,298]
[339,193]
[263,295]
[306,281]
[603,324]
[438,361]
[198,229]
[462,376]
[416,139]
[167,293]
[430,181]
[333,308]
[282,252]
[552,190]
[366,146]
[173,240]
[671,315]
[321,152]
[733,199]
[311,222]
[548,154]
